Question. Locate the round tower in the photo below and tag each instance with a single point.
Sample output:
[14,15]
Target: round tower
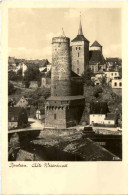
[61,67]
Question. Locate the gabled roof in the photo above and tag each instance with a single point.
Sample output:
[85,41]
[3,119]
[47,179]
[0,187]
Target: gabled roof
[95,56]
[98,108]
[79,38]
[110,116]
[96,44]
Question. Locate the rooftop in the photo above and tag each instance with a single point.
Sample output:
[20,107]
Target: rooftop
[79,38]
[96,44]
[98,108]
[95,56]
[66,98]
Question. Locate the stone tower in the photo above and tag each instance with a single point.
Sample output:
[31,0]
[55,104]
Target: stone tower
[79,52]
[62,110]
[96,46]
[61,67]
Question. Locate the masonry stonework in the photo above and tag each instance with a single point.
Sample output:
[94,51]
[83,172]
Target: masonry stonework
[62,109]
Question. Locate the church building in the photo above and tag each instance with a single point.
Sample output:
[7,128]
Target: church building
[80,52]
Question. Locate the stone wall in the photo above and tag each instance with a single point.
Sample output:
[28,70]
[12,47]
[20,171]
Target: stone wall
[55,118]
[63,114]
[61,67]
[80,57]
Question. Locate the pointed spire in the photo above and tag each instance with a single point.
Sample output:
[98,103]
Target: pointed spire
[62,35]
[80,32]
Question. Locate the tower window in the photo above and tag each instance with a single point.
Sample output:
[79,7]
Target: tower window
[76,48]
[54,116]
[79,48]
[78,54]
[77,70]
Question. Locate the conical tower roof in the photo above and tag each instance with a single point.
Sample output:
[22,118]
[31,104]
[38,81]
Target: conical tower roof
[80,36]
[80,32]
[96,44]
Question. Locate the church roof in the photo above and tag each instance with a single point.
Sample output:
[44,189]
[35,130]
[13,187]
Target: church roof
[95,56]
[96,44]
[79,38]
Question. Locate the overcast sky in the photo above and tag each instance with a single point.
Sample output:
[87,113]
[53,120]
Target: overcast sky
[30,31]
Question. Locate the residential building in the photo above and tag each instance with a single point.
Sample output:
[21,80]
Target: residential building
[99,114]
[39,114]
[22,102]
[110,75]
[116,83]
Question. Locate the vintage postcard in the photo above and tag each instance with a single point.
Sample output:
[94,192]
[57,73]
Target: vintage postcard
[64,93]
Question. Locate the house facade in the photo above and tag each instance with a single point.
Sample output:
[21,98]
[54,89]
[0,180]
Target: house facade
[110,75]
[116,84]
[39,114]
[22,102]
[99,115]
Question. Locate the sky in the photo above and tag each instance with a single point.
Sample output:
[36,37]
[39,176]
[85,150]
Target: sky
[30,30]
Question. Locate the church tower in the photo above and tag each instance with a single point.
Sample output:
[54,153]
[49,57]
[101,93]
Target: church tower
[79,52]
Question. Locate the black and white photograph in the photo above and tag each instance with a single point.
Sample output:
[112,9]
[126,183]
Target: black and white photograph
[65,84]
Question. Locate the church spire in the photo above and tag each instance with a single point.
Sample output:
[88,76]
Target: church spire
[80,32]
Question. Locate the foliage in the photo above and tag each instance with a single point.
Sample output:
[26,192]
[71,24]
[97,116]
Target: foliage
[120,72]
[22,118]
[12,75]
[103,81]
[19,74]
[87,77]
[97,91]
[11,88]
[32,74]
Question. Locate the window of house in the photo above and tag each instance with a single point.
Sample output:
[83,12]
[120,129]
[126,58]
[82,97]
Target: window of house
[112,74]
[120,84]
[54,116]
[115,84]
[78,54]
[77,70]
[115,74]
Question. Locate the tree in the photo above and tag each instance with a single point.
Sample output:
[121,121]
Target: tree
[31,74]
[19,74]
[87,77]
[22,118]
[11,88]
[120,72]
[97,91]
[12,76]
[103,80]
